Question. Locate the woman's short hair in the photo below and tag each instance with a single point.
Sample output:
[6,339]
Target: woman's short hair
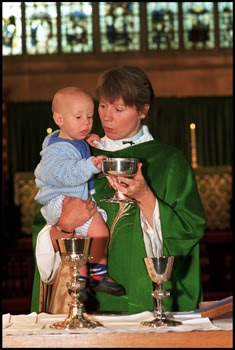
[129,83]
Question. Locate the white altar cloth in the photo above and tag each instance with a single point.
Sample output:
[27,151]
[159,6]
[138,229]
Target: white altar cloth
[34,323]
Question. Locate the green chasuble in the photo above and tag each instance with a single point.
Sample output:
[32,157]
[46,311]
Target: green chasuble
[171,179]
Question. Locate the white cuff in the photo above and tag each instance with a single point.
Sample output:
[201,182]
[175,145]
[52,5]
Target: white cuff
[47,259]
[152,236]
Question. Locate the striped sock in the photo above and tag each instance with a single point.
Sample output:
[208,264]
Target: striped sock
[98,271]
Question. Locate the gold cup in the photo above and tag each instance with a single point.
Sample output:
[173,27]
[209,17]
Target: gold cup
[75,253]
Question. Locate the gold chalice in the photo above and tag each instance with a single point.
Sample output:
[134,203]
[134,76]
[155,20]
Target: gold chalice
[75,253]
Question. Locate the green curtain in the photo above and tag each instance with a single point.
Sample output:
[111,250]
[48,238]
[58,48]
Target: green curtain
[27,127]
[213,116]
[169,123]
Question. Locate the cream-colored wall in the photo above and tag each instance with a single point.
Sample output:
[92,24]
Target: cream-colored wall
[178,74]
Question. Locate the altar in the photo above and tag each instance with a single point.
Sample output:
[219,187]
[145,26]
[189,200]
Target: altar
[33,331]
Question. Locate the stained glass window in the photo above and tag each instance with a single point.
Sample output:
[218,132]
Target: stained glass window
[67,27]
[225,24]
[162,25]
[41,27]
[198,25]
[119,26]
[11,28]
[76,27]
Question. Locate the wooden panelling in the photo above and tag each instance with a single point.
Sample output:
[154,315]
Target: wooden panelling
[178,74]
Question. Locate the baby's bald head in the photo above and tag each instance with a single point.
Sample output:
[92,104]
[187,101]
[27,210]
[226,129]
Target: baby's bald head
[73,111]
[67,95]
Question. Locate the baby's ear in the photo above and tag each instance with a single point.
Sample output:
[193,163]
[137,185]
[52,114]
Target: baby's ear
[58,118]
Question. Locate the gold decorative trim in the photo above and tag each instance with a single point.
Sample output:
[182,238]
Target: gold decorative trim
[123,211]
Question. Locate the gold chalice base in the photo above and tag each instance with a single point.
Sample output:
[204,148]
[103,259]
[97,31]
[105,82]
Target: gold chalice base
[75,323]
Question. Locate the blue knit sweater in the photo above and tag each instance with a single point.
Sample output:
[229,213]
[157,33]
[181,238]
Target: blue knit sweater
[62,170]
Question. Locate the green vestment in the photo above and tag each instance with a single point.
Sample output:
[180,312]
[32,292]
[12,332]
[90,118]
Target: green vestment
[171,179]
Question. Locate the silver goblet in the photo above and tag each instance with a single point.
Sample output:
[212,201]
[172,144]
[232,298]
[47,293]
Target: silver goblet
[75,252]
[119,167]
[159,270]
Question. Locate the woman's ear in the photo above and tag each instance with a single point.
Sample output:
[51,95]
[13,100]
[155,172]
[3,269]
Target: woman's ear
[58,118]
[144,112]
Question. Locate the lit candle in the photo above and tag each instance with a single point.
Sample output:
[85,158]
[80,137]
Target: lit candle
[49,130]
[193,145]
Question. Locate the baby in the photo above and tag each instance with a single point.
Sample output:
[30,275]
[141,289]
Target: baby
[67,168]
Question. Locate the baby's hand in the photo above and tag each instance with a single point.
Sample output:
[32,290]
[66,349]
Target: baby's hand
[93,139]
[97,161]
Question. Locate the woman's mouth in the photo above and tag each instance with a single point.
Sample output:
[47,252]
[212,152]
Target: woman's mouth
[108,130]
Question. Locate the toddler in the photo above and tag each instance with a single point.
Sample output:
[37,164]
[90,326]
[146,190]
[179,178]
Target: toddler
[67,168]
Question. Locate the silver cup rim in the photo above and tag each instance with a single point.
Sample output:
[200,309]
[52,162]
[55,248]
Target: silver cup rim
[120,159]
[73,238]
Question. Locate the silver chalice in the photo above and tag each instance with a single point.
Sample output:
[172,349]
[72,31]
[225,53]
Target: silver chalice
[159,270]
[119,167]
[75,252]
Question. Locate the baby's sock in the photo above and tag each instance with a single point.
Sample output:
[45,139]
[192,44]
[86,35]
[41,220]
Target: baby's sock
[98,271]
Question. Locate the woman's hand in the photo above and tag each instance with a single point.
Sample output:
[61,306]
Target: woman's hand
[137,188]
[133,187]
[75,212]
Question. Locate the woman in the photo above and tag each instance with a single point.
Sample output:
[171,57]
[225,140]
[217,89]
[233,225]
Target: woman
[167,218]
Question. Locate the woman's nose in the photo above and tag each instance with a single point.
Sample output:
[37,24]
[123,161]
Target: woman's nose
[107,114]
